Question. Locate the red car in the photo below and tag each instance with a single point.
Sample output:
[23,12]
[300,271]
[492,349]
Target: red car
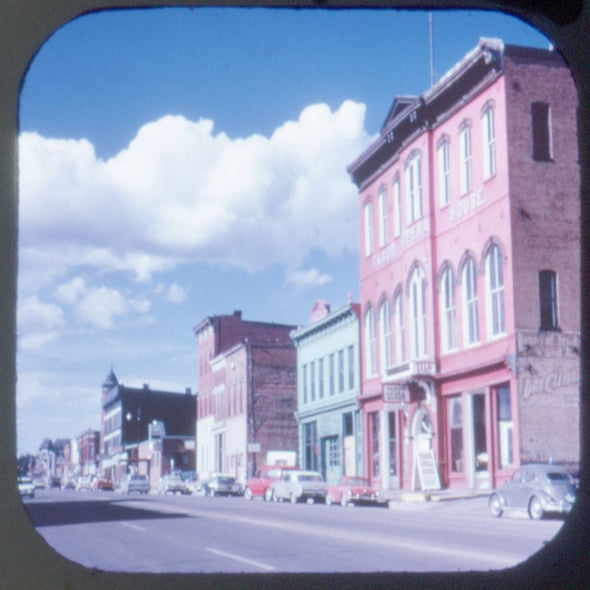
[100,483]
[261,484]
[352,491]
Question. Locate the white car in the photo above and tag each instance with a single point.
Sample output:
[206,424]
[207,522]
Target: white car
[26,487]
[300,485]
[135,483]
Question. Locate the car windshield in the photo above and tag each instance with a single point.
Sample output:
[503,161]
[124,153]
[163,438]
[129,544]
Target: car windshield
[355,481]
[226,479]
[138,478]
[310,477]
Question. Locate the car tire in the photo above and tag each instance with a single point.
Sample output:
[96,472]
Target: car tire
[248,494]
[345,500]
[294,499]
[268,494]
[495,505]
[536,511]
[329,500]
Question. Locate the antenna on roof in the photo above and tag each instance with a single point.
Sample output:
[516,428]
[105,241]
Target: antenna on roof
[431,48]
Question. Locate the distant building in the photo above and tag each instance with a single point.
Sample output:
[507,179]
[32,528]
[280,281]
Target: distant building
[329,380]
[469,264]
[88,444]
[247,394]
[126,418]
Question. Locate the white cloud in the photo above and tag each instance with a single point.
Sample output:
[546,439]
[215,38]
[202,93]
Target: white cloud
[38,323]
[179,193]
[307,278]
[70,292]
[175,294]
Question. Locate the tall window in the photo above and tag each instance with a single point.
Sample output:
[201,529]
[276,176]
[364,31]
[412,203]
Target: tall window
[495,292]
[443,173]
[374,417]
[399,328]
[418,314]
[397,209]
[310,437]
[340,371]
[470,314]
[448,313]
[382,202]
[413,190]
[505,427]
[331,370]
[312,380]
[385,332]
[351,367]
[541,125]
[489,143]
[370,344]
[465,147]
[368,219]
[321,378]
[456,427]
[548,299]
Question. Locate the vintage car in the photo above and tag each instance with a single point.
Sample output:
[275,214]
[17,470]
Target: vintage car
[173,484]
[538,488]
[352,491]
[135,483]
[26,487]
[84,483]
[261,484]
[300,485]
[102,483]
[220,484]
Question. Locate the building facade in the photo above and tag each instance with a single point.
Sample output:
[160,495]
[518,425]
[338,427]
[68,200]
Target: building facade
[247,395]
[328,384]
[127,417]
[469,265]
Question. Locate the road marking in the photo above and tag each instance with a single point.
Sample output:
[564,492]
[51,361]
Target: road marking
[133,526]
[263,566]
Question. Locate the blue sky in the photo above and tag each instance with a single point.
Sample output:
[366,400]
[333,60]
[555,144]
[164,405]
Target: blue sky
[179,163]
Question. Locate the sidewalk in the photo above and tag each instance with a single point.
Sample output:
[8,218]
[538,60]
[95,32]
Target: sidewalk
[421,497]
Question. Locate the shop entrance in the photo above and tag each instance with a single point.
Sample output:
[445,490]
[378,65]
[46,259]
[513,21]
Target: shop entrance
[478,470]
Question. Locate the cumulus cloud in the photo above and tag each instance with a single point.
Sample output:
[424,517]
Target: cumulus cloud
[38,323]
[307,278]
[175,294]
[182,193]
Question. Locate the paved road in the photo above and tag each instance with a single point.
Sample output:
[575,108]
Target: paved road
[196,534]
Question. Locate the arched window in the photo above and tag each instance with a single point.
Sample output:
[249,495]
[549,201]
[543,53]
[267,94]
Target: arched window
[470,313]
[418,314]
[465,148]
[385,333]
[368,226]
[443,169]
[489,142]
[370,344]
[447,311]
[413,189]
[382,203]
[399,328]
[495,292]
[397,208]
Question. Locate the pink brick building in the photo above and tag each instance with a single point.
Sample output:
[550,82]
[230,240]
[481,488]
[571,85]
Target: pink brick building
[469,265]
[247,395]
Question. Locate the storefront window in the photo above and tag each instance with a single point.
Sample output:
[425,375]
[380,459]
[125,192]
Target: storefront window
[392,444]
[505,448]
[311,446]
[456,425]
[375,443]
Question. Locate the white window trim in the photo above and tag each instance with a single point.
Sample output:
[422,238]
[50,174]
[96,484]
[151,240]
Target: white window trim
[413,190]
[397,214]
[385,332]
[382,205]
[448,312]
[443,174]
[489,143]
[368,221]
[495,308]
[418,315]
[370,344]
[470,303]
[466,171]
[399,329]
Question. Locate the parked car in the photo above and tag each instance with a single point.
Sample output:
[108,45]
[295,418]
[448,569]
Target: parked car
[54,482]
[538,488]
[39,483]
[220,484]
[300,485]
[173,484]
[84,483]
[352,491]
[261,484]
[26,487]
[70,485]
[135,483]
[102,483]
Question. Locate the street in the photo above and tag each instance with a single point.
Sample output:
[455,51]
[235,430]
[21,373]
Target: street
[183,534]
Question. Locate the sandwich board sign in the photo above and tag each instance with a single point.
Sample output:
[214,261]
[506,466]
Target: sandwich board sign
[427,470]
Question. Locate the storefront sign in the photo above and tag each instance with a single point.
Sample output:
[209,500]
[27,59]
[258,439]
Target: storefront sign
[549,383]
[427,470]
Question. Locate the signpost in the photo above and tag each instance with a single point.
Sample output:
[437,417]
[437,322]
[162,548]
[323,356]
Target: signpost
[427,471]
